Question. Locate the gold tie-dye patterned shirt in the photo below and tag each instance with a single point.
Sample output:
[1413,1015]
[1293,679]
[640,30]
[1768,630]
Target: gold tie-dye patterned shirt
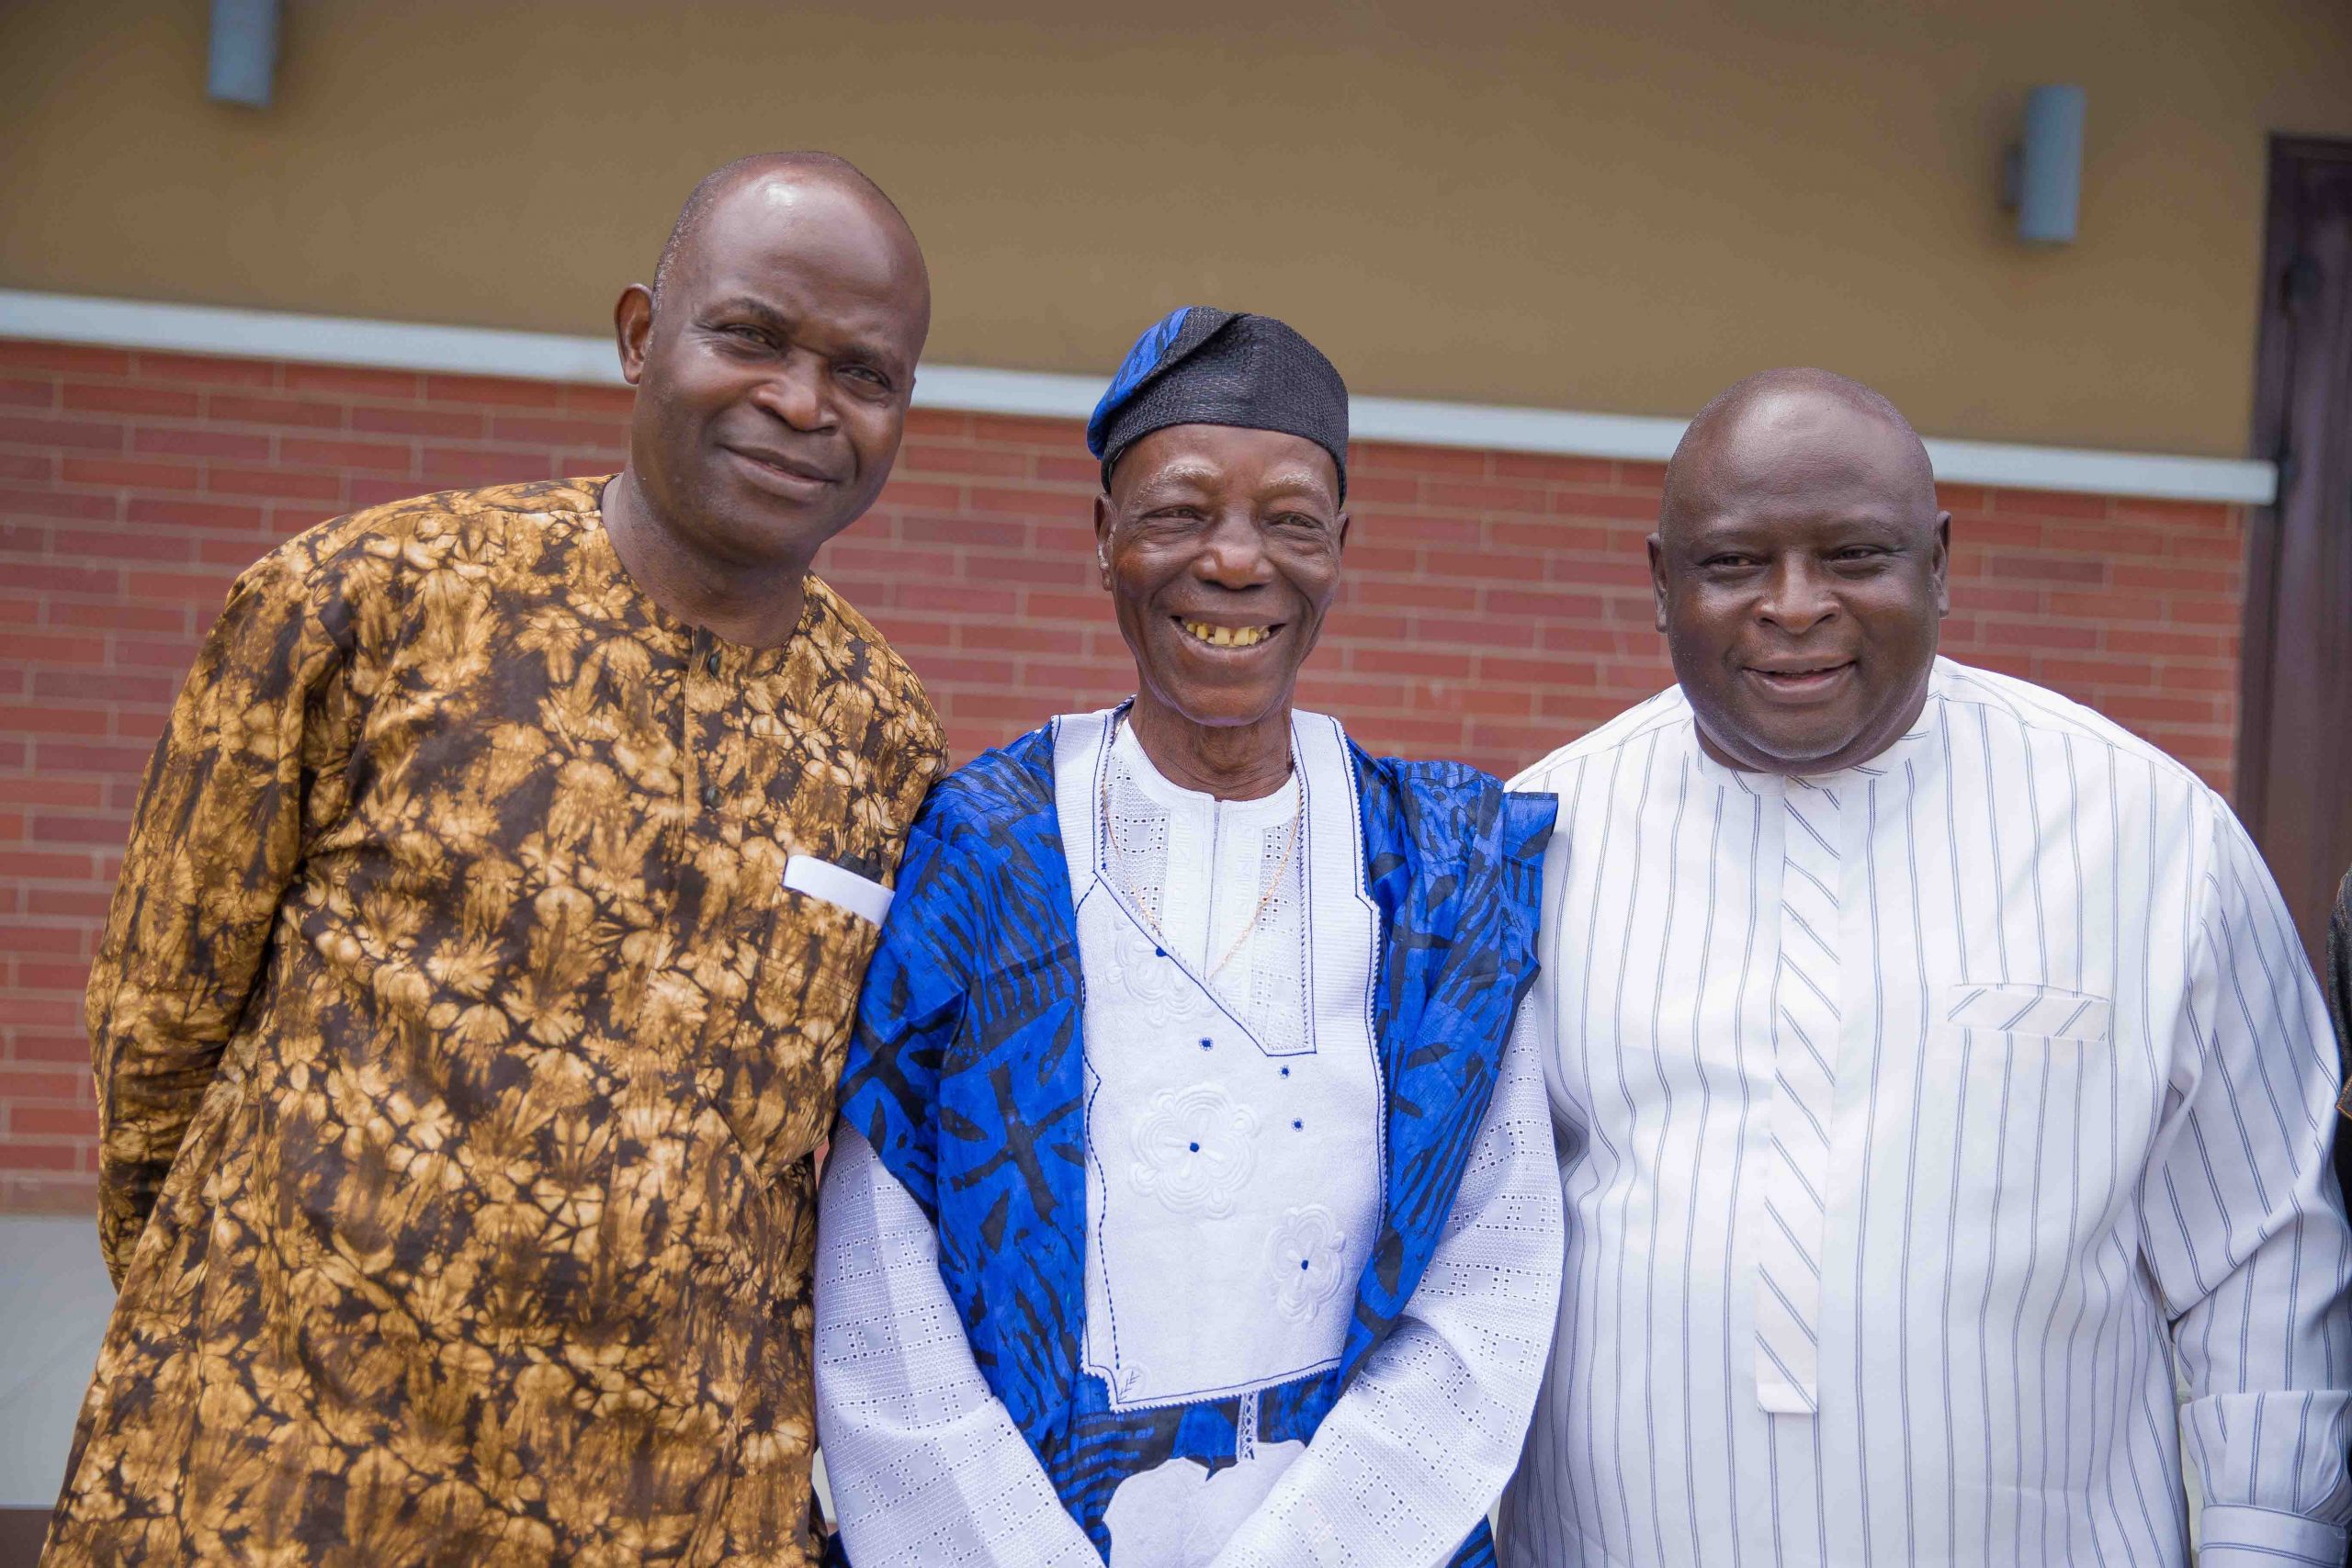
[461,1055]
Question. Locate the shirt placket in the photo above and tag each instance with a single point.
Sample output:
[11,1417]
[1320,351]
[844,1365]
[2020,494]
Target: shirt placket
[701,796]
[1807,1023]
[705,661]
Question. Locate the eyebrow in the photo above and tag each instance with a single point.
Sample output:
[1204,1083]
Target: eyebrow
[1171,475]
[1301,483]
[745,304]
[1704,539]
[1180,473]
[863,349]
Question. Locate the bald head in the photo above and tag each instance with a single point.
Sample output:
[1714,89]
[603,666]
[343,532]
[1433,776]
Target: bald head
[1799,567]
[810,170]
[1792,421]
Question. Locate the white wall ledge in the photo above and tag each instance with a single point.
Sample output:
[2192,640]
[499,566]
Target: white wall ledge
[550,357]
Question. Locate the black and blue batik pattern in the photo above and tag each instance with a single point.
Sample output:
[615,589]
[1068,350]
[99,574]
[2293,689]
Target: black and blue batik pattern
[964,1076]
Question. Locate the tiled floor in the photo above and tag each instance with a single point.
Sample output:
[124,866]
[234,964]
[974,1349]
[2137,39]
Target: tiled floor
[54,1299]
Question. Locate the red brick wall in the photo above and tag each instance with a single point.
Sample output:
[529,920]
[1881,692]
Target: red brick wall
[1495,605]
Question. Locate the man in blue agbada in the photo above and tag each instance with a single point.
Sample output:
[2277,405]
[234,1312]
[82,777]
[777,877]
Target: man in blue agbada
[1192,1200]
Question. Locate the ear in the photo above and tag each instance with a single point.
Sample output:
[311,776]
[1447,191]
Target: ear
[1342,544]
[1941,568]
[1657,577]
[633,329]
[1103,522]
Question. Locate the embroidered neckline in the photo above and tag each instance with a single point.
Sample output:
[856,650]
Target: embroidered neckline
[1135,896]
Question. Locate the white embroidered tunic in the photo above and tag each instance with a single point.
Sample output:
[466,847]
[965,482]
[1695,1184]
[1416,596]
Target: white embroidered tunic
[1233,1101]
[1235,1114]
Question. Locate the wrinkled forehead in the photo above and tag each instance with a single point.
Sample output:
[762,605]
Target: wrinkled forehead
[1221,458]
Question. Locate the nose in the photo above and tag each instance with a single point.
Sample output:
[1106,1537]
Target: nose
[1232,553]
[798,393]
[1798,597]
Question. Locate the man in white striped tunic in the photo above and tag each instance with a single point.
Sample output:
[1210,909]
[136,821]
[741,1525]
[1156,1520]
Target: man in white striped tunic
[1934,1065]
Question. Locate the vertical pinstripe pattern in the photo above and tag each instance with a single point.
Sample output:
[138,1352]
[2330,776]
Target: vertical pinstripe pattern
[2075,1110]
[1808,1030]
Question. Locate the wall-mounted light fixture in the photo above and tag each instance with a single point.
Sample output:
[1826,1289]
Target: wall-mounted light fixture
[245,51]
[2042,181]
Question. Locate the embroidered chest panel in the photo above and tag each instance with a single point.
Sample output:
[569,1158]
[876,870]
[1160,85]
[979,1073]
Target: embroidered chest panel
[1233,1094]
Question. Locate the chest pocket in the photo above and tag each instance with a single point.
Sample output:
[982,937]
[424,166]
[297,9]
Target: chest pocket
[816,957]
[824,840]
[2044,1116]
[2042,1012]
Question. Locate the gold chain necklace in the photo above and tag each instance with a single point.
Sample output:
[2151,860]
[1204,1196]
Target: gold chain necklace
[1265,894]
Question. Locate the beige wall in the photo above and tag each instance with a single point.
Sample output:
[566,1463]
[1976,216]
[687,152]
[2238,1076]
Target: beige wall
[1611,207]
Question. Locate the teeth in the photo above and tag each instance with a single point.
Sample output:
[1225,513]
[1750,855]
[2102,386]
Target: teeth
[1228,637]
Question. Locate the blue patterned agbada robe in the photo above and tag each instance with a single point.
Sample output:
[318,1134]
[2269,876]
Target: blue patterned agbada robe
[964,1073]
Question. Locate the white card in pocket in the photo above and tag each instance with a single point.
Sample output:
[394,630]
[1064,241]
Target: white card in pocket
[824,879]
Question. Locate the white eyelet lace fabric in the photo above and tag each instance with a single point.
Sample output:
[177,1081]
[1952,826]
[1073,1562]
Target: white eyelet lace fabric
[1279,962]
[1135,830]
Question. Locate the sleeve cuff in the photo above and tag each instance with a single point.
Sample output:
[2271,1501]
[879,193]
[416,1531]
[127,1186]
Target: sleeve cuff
[2238,1537]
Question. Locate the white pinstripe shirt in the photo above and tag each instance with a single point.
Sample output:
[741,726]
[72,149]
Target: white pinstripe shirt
[2084,1090]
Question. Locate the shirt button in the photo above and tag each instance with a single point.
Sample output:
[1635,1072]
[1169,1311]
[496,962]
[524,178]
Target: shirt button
[711,662]
[710,795]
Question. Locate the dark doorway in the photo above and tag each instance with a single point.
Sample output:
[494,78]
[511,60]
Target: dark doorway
[2295,737]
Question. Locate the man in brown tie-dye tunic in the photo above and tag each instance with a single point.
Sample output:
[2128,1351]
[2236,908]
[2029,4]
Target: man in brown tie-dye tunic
[462,1041]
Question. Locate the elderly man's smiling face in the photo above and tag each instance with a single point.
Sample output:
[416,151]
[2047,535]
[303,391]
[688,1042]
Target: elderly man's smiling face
[1221,549]
[1799,574]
